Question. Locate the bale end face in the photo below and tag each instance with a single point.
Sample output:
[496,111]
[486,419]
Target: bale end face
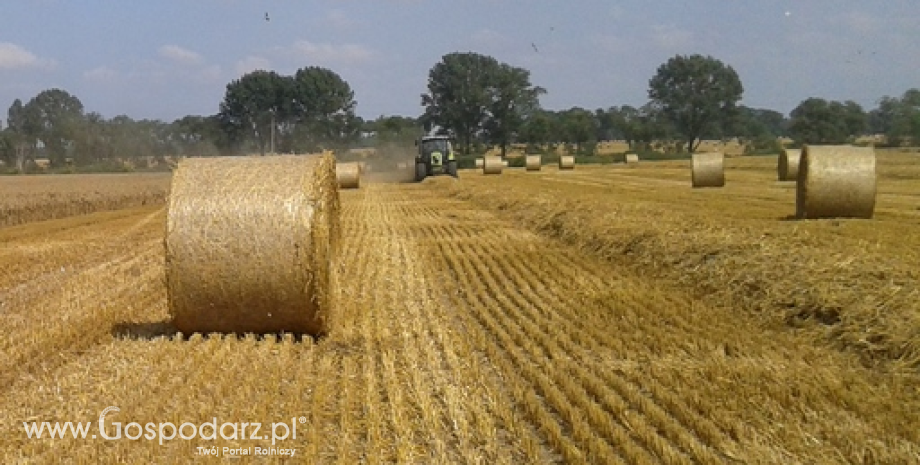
[632,158]
[348,175]
[787,167]
[250,244]
[836,181]
[708,170]
[567,162]
[534,162]
[492,164]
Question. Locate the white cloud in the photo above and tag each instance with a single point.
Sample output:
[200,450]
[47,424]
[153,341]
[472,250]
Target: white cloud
[252,63]
[180,55]
[331,53]
[100,74]
[671,37]
[340,20]
[488,37]
[612,44]
[13,56]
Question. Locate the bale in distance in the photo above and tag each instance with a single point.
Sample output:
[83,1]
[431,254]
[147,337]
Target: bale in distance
[567,162]
[632,158]
[251,243]
[492,164]
[533,162]
[480,163]
[708,169]
[348,175]
[505,163]
[788,165]
[836,181]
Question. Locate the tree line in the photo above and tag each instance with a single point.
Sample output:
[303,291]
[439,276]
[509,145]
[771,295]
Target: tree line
[474,98]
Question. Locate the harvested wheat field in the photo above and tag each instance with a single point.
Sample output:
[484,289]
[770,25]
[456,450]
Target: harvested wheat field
[601,315]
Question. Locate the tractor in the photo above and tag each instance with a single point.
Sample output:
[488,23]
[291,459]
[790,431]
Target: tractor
[435,156]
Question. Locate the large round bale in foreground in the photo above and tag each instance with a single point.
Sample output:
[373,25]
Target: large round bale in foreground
[348,175]
[787,168]
[480,163]
[708,169]
[836,181]
[533,162]
[632,158]
[567,162]
[250,244]
[492,164]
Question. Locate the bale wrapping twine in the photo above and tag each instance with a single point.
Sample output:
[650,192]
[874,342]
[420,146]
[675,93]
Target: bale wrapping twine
[567,162]
[250,244]
[788,165]
[708,169]
[348,175]
[632,158]
[480,163]
[836,181]
[533,162]
[492,164]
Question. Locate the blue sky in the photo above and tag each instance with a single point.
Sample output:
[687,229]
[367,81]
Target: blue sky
[166,59]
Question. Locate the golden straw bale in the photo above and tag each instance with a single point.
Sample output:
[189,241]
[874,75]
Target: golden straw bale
[492,164]
[708,169]
[534,162]
[505,163]
[348,175]
[250,244]
[787,167]
[567,162]
[479,163]
[632,158]
[836,181]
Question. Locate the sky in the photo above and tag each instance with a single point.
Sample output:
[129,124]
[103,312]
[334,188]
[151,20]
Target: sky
[166,59]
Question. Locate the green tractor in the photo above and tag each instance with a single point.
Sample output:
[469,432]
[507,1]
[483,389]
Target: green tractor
[435,156]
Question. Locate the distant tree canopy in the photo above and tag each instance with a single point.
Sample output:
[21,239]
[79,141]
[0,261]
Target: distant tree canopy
[304,112]
[697,94]
[472,97]
[818,121]
[897,118]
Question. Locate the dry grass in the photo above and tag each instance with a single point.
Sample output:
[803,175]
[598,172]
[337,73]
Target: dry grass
[850,283]
[24,199]
[461,343]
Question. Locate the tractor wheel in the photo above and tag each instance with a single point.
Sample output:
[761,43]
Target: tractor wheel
[452,168]
[420,172]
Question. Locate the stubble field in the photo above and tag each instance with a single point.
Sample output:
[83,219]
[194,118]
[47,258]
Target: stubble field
[603,315]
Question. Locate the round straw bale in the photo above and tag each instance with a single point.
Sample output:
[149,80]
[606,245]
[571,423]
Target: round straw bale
[492,164]
[534,162]
[836,181]
[348,175]
[788,165]
[632,158]
[567,162]
[250,244]
[505,163]
[479,163]
[708,169]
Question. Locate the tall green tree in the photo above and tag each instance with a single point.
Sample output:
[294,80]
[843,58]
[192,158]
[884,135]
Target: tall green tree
[819,121]
[512,98]
[19,142]
[697,94]
[255,104]
[578,126]
[53,117]
[323,108]
[458,98]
